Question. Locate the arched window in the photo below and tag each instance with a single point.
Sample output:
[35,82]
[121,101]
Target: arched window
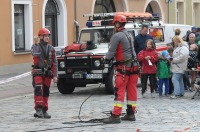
[51,12]
[149,9]
[104,6]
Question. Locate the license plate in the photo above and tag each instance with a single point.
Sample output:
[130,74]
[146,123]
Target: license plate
[94,76]
[77,76]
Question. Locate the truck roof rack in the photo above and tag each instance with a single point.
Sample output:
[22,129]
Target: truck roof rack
[105,19]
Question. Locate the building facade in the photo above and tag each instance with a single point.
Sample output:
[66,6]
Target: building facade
[21,20]
[156,7]
[184,12]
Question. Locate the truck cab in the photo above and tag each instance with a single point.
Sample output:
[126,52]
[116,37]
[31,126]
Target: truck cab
[77,69]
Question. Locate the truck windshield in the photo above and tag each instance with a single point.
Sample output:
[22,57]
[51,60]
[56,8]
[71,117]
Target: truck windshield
[96,35]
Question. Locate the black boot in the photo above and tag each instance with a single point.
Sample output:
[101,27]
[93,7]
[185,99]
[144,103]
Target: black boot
[113,119]
[46,115]
[130,116]
[39,112]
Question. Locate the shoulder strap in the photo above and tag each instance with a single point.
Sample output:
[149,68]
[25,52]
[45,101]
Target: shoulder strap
[129,39]
[46,55]
[132,54]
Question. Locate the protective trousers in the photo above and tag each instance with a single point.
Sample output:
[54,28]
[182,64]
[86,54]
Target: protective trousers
[41,91]
[125,83]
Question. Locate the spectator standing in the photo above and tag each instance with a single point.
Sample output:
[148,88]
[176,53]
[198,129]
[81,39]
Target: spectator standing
[191,39]
[163,72]
[192,63]
[139,44]
[185,36]
[148,57]
[194,31]
[170,50]
[193,54]
[179,65]
[176,33]
[140,39]
[187,84]
[197,39]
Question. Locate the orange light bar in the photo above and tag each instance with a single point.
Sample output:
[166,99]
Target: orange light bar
[135,14]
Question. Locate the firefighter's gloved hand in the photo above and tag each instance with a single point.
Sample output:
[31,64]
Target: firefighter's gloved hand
[105,60]
[55,79]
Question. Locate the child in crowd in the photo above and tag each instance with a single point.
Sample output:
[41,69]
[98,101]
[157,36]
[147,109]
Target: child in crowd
[148,57]
[170,50]
[192,63]
[163,72]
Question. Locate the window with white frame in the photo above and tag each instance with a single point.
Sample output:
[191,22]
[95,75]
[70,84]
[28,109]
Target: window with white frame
[19,27]
[196,12]
[22,26]
[180,13]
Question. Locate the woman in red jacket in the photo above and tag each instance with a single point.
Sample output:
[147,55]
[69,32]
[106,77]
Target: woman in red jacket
[148,58]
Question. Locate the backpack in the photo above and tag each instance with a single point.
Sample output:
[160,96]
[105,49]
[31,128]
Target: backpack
[75,47]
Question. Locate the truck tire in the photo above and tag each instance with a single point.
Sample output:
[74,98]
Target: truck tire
[65,88]
[109,82]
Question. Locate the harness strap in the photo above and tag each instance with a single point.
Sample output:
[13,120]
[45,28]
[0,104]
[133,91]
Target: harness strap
[42,72]
[46,54]
[124,62]
[126,72]
[37,72]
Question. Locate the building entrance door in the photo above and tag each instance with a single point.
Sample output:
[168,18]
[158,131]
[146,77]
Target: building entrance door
[51,13]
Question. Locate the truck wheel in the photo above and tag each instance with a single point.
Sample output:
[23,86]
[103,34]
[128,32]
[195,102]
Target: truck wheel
[65,88]
[109,82]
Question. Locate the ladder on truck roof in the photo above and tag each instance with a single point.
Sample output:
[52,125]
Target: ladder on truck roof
[105,19]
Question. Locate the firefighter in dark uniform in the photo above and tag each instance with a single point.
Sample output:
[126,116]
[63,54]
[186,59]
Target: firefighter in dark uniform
[122,49]
[44,69]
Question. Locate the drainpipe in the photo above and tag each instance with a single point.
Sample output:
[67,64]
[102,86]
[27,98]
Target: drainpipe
[76,22]
[168,11]
[77,29]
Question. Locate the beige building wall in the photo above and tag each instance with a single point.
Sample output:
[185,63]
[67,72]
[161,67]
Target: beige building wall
[172,10]
[70,21]
[196,12]
[88,8]
[7,56]
[159,6]
[188,13]
[82,7]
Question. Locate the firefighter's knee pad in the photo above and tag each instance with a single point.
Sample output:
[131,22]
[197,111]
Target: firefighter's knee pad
[38,90]
[46,91]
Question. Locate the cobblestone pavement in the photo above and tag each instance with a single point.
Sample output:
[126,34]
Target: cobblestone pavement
[153,114]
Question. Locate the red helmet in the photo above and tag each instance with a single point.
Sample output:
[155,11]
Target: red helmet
[44,31]
[119,18]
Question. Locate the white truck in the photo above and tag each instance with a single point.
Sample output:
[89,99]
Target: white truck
[77,69]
